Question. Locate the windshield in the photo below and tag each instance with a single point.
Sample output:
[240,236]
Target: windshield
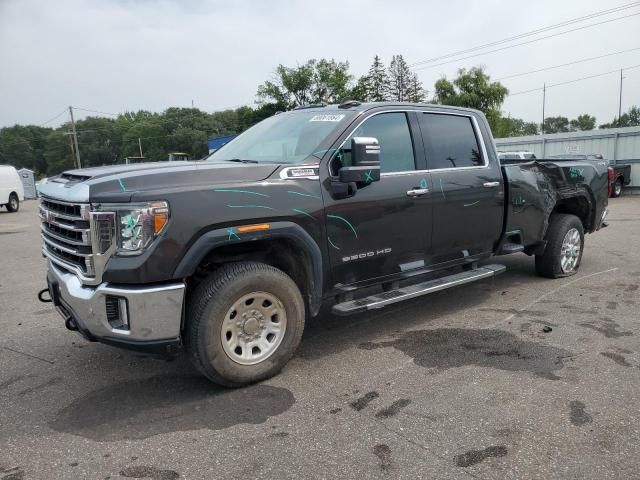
[285,138]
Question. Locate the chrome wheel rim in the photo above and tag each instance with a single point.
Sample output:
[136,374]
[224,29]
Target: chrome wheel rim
[253,328]
[14,203]
[570,253]
[617,188]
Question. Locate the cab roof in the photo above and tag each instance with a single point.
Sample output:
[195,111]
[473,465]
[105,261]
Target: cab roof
[355,106]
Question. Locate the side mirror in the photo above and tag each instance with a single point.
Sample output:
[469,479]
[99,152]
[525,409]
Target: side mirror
[365,155]
[365,151]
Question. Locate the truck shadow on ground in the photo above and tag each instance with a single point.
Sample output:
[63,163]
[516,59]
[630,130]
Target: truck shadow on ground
[174,399]
[138,409]
[329,334]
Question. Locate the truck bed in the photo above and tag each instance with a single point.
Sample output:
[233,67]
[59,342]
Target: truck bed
[533,189]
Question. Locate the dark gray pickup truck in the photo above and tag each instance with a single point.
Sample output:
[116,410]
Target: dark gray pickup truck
[355,206]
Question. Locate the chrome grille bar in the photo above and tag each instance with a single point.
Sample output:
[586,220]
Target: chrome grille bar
[77,239]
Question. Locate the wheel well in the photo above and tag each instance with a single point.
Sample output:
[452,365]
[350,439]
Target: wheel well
[578,206]
[282,253]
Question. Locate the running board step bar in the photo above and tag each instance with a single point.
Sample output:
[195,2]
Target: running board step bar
[393,296]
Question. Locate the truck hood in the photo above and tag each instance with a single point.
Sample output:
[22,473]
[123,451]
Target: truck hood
[120,183]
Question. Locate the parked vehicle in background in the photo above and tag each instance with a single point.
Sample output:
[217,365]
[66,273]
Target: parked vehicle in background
[619,173]
[178,157]
[357,206]
[11,188]
[621,177]
[521,155]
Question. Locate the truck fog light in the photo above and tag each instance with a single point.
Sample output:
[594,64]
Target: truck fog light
[117,312]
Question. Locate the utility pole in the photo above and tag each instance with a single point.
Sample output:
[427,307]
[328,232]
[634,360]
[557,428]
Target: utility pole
[75,137]
[544,98]
[73,152]
[620,100]
[140,145]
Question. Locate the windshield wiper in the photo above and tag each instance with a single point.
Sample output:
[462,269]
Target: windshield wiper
[241,160]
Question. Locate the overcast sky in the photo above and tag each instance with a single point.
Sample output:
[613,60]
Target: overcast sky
[116,55]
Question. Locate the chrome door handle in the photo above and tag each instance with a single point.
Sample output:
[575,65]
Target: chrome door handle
[490,184]
[416,192]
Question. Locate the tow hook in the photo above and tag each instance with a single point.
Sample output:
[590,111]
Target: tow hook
[43,299]
[71,324]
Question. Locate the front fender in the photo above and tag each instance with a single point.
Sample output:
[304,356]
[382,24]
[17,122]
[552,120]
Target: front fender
[228,236]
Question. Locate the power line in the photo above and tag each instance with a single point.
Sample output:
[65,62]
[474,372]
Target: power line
[526,43]
[529,33]
[573,81]
[52,119]
[96,111]
[566,64]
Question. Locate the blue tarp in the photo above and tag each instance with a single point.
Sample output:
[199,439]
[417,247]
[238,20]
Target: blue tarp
[216,143]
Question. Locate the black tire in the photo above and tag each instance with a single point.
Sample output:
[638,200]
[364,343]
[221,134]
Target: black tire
[616,189]
[209,305]
[14,203]
[549,264]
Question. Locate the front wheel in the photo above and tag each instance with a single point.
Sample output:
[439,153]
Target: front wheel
[14,203]
[617,188]
[245,321]
[563,252]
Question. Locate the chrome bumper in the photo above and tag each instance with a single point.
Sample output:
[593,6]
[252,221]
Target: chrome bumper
[154,314]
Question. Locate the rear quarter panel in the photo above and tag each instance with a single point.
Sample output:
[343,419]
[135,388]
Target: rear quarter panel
[535,188]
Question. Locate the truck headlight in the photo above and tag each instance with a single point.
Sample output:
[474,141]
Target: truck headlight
[139,224]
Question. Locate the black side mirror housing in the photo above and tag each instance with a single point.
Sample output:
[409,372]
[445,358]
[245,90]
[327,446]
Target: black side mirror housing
[359,175]
[365,154]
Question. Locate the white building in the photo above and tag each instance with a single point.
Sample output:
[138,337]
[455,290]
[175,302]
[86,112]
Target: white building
[619,145]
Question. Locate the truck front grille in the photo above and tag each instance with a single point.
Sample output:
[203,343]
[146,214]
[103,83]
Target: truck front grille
[66,235]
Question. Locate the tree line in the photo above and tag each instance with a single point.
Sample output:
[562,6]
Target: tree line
[104,141]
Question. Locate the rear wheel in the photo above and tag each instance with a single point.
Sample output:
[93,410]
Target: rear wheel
[563,252]
[245,321]
[616,191]
[14,203]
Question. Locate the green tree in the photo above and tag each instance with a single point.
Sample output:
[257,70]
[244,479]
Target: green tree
[377,82]
[583,122]
[473,89]
[290,87]
[514,127]
[415,91]
[57,152]
[629,119]
[360,90]
[24,147]
[314,82]
[331,81]
[556,125]
[399,79]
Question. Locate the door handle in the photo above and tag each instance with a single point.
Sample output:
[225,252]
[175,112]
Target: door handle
[416,192]
[490,184]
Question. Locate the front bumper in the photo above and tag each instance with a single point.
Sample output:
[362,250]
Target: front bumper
[153,313]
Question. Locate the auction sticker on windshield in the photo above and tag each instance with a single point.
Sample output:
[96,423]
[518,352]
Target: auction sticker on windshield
[326,118]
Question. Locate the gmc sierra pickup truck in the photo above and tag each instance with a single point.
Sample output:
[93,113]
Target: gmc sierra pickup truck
[356,206]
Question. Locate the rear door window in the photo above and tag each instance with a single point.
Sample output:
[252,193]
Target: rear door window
[450,142]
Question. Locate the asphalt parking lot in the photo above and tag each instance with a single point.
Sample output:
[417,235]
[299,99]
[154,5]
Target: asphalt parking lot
[460,384]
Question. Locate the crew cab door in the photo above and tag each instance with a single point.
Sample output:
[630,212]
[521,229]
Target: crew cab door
[468,190]
[384,227]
